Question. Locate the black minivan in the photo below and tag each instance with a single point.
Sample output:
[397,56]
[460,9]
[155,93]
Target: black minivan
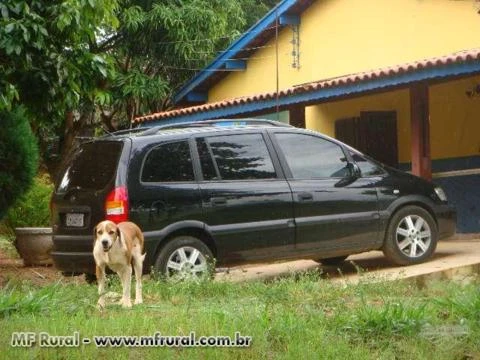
[241,192]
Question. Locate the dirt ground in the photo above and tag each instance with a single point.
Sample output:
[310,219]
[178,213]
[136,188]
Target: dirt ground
[12,269]
[453,253]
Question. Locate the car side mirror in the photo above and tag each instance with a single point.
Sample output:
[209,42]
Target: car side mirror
[353,173]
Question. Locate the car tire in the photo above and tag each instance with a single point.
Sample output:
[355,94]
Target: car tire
[185,258]
[333,261]
[411,236]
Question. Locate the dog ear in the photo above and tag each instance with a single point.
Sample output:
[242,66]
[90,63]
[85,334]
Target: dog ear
[94,233]
[119,235]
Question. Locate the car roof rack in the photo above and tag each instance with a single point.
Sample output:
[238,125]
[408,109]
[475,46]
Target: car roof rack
[109,134]
[216,122]
[124,132]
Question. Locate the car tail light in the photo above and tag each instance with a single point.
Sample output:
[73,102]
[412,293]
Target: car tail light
[116,205]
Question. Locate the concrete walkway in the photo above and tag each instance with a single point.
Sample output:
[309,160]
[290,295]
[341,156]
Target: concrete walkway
[453,259]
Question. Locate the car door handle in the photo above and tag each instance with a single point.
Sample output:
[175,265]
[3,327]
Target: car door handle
[217,201]
[305,196]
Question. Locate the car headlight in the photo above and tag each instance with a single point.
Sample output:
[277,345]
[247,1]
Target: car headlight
[440,193]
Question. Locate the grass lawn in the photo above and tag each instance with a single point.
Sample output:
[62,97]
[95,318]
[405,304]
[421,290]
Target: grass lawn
[299,317]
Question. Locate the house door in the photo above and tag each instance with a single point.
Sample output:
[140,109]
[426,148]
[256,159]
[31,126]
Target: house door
[373,133]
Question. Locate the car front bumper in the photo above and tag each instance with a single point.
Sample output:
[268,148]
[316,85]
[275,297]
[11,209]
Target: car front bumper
[446,221]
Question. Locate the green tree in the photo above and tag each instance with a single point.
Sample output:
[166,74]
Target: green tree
[76,64]
[47,62]
[18,156]
[256,9]
[158,46]
[45,52]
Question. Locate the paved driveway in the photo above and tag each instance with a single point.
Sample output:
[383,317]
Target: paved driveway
[452,259]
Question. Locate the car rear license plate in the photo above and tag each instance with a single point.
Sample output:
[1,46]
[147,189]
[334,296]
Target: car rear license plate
[74,220]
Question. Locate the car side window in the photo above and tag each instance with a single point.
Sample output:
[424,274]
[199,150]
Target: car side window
[209,170]
[168,163]
[367,167]
[311,157]
[236,157]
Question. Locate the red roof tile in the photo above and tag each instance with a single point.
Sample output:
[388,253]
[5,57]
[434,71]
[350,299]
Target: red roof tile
[458,57]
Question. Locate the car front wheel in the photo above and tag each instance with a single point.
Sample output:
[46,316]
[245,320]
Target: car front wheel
[185,258]
[411,236]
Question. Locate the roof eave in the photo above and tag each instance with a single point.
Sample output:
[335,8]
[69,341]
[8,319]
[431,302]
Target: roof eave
[325,92]
[234,48]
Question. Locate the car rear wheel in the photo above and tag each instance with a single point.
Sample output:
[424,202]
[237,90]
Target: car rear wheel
[337,260]
[411,236]
[185,258]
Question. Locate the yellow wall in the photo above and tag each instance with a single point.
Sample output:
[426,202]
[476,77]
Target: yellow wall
[339,37]
[454,118]
[322,117]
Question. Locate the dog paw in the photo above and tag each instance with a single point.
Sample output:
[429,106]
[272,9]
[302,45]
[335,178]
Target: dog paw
[138,301]
[101,304]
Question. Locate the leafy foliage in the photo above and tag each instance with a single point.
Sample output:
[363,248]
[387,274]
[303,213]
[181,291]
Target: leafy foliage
[46,57]
[31,209]
[254,9]
[158,45]
[18,157]
[75,64]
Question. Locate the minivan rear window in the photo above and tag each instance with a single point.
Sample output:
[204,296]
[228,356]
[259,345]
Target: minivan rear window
[92,166]
[169,162]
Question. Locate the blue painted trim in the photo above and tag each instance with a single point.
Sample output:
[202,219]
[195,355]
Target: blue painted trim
[235,47]
[235,65]
[462,192]
[196,96]
[449,164]
[460,163]
[324,94]
[289,19]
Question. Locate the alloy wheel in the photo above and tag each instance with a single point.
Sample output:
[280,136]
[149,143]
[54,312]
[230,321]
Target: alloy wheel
[187,263]
[413,236]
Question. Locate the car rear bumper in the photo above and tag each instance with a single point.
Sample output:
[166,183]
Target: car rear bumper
[447,221]
[74,263]
[73,254]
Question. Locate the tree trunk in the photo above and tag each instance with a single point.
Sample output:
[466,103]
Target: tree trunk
[67,141]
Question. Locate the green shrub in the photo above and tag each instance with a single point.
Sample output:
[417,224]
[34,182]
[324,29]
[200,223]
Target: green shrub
[31,209]
[18,157]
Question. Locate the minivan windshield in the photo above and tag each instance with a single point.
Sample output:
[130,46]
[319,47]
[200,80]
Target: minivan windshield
[92,166]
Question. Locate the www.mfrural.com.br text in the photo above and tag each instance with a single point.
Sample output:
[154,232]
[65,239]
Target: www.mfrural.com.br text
[44,339]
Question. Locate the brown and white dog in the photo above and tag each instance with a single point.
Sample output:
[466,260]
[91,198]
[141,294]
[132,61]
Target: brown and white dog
[119,247]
